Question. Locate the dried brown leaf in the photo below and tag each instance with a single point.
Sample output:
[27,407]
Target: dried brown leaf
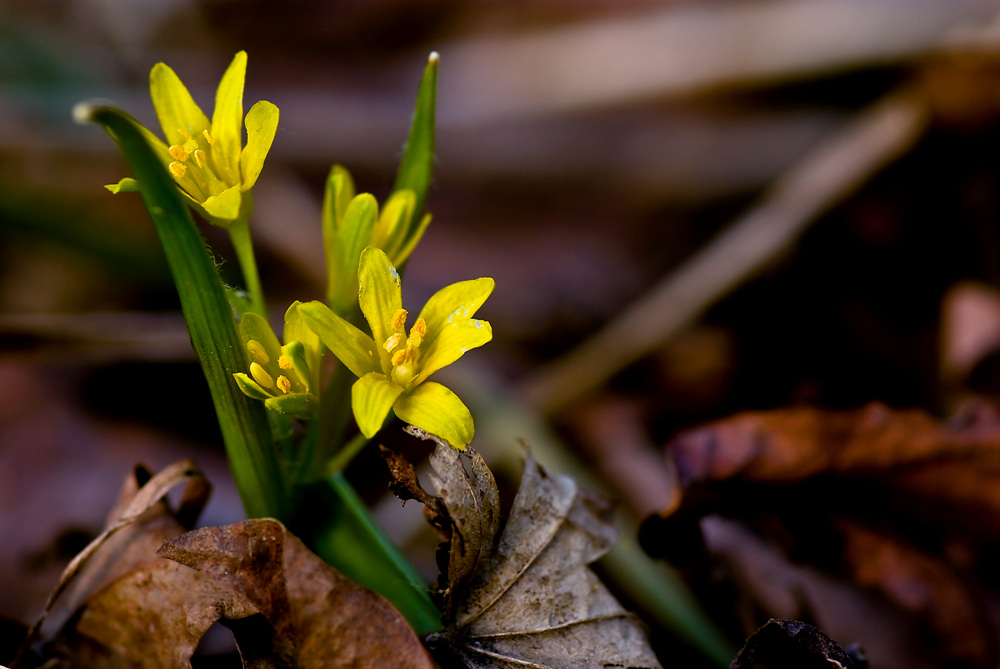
[894,502]
[790,644]
[318,615]
[531,601]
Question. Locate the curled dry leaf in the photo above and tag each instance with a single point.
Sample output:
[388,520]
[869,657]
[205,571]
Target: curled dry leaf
[526,597]
[895,503]
[284,605]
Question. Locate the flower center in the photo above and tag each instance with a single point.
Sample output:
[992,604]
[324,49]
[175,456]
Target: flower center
[192,167]
[405,357]
[261,375]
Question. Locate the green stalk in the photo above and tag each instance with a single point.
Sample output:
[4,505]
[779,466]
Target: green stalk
[347,537]
[243,421]
[239,235]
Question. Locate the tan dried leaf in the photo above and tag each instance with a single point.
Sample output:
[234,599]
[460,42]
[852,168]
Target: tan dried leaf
[527,598]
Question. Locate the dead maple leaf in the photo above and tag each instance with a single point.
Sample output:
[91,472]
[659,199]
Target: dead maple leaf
[285,606]
[902,508]
[526,597]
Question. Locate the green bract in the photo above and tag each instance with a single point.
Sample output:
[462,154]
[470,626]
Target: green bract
[285,377]
[207,159]
[392,366]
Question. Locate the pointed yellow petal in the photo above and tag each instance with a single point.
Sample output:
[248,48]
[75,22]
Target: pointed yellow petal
[225,206]
[372,396]
[380,295]
[350,345]
[296,329]
[433,407]
[262,123]
[451,343]
[227,120]
[176,109]
[454,303]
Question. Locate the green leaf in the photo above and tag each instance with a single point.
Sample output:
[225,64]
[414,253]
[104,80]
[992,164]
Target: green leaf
[227,120]
[175,108]
[417,166]
[350,345]
[262,124]
[245,430]
[372,397]
[380,296]
[433,407]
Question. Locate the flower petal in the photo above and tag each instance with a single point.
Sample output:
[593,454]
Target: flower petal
[126,185]
[372,396]
[227,120]
[351,346]
[250,387]
[354,235]
[453,303]
[303,405]
[411,243]
[262,123]
[380,296]
[296,329]
[174,105]
[254,327]
[225,206]
[451,343]
[435,408]
[394,222]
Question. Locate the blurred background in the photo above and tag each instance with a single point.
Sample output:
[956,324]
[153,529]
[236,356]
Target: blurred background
[690,210]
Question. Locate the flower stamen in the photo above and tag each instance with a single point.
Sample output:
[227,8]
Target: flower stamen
[257,352]
[261,376]
[398,320]
[392,342]
[284,384]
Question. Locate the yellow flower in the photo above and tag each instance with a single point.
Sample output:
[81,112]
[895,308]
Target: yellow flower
[393,364]
[285,377]
[206,158]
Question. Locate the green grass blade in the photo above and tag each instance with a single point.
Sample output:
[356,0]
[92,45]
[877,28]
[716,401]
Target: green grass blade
[418,159]
[210,322]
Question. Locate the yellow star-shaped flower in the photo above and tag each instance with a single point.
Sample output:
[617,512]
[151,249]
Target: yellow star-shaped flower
[206,158]
[393,364]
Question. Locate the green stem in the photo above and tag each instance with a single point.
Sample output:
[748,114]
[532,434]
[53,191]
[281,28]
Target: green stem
[239,234]
[338,527]
[339,462]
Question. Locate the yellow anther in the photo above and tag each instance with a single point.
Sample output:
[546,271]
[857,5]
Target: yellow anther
[200,158]
[414,340]
[284,384]
[285,362]
[183,133]
[398,319]
[258,352]
[392,342]
[420,327]
[178,153]
[208,137]
[398,357]
[261,376]
[190,146]
[178,170]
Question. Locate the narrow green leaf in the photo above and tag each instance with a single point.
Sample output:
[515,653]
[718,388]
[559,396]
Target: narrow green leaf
[245,430]
[417,165]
